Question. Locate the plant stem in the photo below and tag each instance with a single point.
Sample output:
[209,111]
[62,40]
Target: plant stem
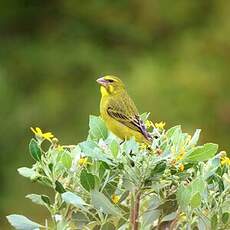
[135,210]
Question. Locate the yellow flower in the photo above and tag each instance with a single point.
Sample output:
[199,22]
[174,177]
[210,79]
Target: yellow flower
[143,146]
[181,167]
[160,125]
[148,124]
[181,154]
[225,160]
[38,132]
[182,216]
[188,139]
[115,198]
[83,161]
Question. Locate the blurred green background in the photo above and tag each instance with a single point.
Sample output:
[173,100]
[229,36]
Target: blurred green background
[173,56]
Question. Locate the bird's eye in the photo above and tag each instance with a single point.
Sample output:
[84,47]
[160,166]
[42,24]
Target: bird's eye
[110,80]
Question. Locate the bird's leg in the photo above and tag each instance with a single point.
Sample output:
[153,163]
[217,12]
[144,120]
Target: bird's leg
[149,148]
[131,153]
[122,142]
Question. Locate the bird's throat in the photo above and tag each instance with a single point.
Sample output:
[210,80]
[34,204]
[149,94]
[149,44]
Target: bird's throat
[104,92]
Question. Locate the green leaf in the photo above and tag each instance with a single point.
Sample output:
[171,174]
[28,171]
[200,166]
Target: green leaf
[226,180]
[131,146]
[101,202]
[58,187]
[195,138]
[87,180]
[20,222]
[97,227]
[62,225]
[114,146]
[66,159]
[177,136]
[39,199]
[102,168]
[170,132]
[50,165]
[219,182]
[196,200]
[169,217]
[45,199]
[201,153]
[203,222]
[27,172]
[159,168]
[198,185]
[46,181]
[104,165]
[111,187]
[71,198]
[150,216]
[225,217]
[80,219]
[210,167]
[225,206]
[144,116]
[186,193]
[169,205]
[128,184]
[122,224]
[183,196]
[35,198]
[154,201]
[35,150]
[97,128]
[108,226]
[91,149]
[97,182]
[214,222]
[124,196]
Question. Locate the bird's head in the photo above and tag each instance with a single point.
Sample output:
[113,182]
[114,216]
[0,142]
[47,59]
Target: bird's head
[110,85]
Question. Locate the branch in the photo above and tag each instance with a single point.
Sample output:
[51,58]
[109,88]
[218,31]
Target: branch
[135,210]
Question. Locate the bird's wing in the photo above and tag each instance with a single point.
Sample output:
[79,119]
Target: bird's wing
[124,110]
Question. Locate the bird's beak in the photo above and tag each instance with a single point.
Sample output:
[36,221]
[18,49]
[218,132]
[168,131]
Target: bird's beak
[102,81]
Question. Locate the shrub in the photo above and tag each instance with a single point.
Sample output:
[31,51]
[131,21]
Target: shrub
[102,183]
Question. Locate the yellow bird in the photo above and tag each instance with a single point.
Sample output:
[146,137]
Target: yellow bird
[119,111]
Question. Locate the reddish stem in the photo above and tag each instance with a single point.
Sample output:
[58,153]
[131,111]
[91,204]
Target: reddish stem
[135,211]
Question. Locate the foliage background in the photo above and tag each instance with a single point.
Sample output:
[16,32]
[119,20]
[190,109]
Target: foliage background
[174,59]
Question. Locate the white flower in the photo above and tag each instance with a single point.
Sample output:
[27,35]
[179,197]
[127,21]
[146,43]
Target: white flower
[76,153]
[103,145]
[58,218]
